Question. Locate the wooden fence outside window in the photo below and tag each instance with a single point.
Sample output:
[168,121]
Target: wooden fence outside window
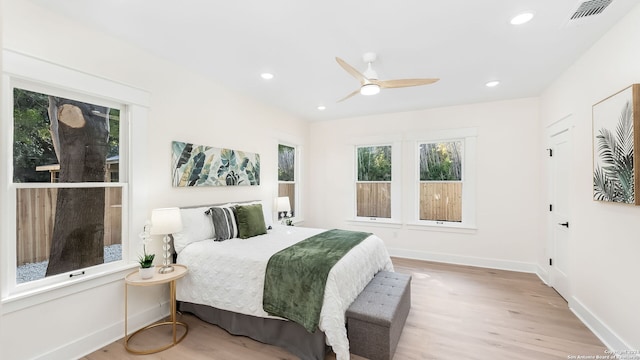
[439,201]
[36,211]
[373,199]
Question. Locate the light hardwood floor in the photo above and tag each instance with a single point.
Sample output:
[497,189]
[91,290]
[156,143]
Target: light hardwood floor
[458,312]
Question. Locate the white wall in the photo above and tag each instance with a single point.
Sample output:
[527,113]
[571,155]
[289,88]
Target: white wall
[184,107]
[509,154]
[2,146]
[605,241]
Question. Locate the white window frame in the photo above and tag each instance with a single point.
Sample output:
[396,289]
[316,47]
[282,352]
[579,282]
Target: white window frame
[469,178]
[297,163]
[33,74]
[396,183]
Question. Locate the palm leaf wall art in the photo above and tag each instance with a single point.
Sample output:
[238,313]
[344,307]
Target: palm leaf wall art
[615,147]
[200,165]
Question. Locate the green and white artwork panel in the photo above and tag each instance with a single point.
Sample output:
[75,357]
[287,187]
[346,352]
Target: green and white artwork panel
[201,165]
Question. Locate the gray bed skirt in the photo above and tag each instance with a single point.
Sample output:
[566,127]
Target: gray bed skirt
[286,334]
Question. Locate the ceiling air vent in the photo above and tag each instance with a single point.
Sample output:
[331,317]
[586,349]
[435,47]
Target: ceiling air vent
[589,8]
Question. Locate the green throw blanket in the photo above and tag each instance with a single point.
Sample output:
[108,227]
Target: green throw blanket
[296,276]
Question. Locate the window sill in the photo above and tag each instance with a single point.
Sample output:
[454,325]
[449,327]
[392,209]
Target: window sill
[388,223]
[444,227]
[24,299]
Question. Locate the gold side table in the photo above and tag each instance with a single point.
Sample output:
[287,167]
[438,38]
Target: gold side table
[133,279]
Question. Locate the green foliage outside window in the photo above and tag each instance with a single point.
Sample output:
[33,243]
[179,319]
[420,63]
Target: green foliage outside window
[286,163]
[441,161]
[114,132]
[374,163]
[32,145]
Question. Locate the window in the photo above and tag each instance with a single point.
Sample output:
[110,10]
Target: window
[373,186]
[445,172]
[377,182]
[441,181]
[68,218]
[65,210]
[287,176]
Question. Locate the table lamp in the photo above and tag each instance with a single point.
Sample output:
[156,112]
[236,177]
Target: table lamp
[283,206]
[166,221]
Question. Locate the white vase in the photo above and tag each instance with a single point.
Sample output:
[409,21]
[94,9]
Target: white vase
[147,273]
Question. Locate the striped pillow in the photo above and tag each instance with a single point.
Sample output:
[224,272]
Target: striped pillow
[224,221]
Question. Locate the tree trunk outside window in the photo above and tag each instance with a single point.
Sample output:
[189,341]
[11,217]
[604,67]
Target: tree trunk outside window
[80,133]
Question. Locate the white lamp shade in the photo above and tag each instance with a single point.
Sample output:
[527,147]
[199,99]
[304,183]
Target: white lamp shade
[369,89]
[165,221]
[283,205]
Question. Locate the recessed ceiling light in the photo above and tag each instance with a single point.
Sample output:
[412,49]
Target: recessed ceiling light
[492,83]
[266,76]
[522,18]
[322,107]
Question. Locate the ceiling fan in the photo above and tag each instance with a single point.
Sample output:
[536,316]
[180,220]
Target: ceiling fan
[369,82]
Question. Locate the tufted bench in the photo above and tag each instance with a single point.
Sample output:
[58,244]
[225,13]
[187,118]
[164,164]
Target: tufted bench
[376,317]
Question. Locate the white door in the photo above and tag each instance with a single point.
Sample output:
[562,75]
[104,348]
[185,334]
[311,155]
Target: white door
[559,219]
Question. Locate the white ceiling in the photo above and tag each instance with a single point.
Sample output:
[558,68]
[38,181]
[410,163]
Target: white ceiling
[465,43]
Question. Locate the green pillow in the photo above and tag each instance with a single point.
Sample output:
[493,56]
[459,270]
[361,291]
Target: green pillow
[250,221]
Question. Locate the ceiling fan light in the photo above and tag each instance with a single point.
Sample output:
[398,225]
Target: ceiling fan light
[369,89]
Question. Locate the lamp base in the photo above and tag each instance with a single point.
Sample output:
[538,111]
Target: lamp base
[165,269]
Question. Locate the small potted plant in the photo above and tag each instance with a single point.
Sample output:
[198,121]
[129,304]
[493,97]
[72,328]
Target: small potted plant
[146,260]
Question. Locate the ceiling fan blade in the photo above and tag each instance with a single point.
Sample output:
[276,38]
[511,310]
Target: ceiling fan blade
[348,96]
[351,70]
[400,83]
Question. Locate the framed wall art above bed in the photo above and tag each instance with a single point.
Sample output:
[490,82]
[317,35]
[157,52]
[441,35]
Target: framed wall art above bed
[201,165]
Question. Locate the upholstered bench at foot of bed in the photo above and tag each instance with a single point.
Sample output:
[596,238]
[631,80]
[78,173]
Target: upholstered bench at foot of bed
[376,317]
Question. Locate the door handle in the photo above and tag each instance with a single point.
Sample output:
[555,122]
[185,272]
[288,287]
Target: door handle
[565,224]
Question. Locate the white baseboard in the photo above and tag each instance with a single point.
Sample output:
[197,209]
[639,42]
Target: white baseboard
[466,260]
[608,337]
[96,340]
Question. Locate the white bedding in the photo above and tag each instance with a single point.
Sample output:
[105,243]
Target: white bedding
[229,275]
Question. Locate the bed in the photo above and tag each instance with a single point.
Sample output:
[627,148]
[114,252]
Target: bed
[225,283]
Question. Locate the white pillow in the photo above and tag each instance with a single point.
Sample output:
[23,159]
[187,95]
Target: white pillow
[196,226]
